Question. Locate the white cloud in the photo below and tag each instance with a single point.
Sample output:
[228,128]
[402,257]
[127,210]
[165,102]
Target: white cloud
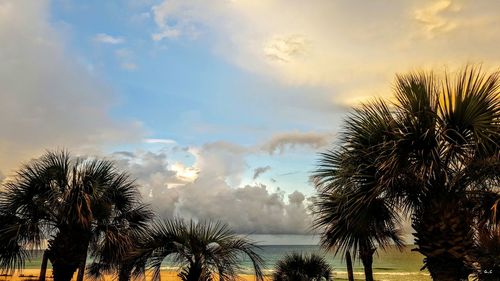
[211,189]
[167,32]
[286,48]
[160,141]
[48,97]
[174,19]
[433,20]
[108,39]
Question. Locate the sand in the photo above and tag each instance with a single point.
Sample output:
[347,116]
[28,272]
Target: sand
[32,275]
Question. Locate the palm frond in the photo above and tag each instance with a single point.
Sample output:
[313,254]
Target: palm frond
[300,267]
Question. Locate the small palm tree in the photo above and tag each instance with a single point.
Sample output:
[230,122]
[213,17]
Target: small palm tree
[77,205]
[345,226]
[299,267]
[347,214]
[202,250]
[110,258]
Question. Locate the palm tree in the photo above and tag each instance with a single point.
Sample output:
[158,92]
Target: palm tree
[344,225]
[75,204]
[432,154]
[299,267]
[347,214]
[202,250]
[348,261]
[115,256]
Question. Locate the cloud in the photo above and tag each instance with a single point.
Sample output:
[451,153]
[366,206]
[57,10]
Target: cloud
[108,39]
[290,140]
[259,171]
[350,48]
[126,58]
[47,96]
[160,141]
[431,17]
[173,19]
[286,48]
[214,190]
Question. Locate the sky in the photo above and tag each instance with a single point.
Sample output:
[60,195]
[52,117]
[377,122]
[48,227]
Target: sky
[217,107]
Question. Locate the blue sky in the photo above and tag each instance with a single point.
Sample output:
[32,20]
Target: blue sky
[181,89]
[217,107]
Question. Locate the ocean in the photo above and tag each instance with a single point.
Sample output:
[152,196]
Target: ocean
[389,265]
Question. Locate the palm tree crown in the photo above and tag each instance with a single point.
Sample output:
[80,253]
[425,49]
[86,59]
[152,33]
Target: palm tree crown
[75,204]
[202,250]
[299,267]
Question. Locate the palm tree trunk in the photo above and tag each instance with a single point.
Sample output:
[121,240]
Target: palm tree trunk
[366,256]
[348,260]
[446,270]
[43,267]
[124,272]
[66,252]
[445,237]
[81,267]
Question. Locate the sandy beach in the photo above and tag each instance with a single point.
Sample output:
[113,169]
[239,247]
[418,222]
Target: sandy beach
[32,275]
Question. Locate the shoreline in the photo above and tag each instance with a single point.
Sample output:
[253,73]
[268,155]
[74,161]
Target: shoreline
[169,274]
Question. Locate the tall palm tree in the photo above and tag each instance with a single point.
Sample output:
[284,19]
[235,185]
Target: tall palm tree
[77,205]
[202,250]
[300,267]
[432,153]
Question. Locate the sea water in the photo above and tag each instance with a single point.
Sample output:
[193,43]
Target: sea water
[391,264]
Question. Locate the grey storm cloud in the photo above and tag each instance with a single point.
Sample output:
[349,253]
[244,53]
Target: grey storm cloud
[216,193]
[290,140]
[259,171]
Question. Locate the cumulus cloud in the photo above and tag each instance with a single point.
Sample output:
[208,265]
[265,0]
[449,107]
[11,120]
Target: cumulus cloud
[290,140]
[257,172]
[108,39]
[216,192]
[48,97]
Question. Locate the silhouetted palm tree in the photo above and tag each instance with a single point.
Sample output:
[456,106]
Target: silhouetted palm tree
[202,250]
[78,205]
[347,226]
[114,256]
[432,154]
[299,267]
